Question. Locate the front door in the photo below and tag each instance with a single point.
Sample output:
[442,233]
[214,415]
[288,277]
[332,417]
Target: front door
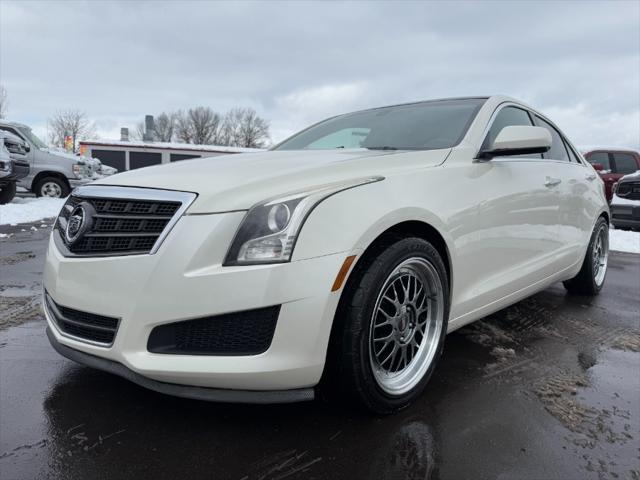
[516,223]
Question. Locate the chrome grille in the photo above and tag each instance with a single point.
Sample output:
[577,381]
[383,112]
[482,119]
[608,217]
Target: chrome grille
[135,224]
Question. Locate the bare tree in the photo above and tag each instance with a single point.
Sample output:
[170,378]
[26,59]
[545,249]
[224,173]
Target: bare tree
[164,126]
[242,127]
[4,102]
[183,127]
[70,122]
[230,130]
[138,132]
[204,124]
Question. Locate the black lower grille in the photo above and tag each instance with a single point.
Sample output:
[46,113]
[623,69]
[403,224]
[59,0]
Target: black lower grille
[240,333]
[82,325]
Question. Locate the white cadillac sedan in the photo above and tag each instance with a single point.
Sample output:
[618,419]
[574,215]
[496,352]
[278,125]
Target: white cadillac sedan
[337,261]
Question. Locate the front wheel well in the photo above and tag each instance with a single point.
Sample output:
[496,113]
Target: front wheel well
[414,228]
[46,174]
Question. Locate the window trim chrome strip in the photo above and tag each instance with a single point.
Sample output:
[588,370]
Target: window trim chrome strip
[136,193]
[531,112]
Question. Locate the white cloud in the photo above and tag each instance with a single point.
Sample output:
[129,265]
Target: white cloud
[306,106]
[584,126]
[298,62]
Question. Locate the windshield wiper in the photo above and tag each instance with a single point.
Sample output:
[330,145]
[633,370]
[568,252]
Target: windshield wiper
[383,147]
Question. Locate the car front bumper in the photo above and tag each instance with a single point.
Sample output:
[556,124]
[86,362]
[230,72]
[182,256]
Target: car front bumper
[625,216]
[184,280]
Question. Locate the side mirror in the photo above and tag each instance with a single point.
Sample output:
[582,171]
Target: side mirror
[27,147]
[598,166]
[518,140]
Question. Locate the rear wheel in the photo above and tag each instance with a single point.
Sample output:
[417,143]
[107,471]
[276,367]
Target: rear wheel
[7,192]
[590,279]
[391,325]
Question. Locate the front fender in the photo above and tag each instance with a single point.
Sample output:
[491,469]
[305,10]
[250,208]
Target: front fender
[351,220]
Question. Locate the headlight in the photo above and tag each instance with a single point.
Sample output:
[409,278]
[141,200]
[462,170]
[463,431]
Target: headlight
[80,170]
[270,229]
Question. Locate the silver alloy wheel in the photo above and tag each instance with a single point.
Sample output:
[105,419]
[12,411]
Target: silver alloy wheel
[51,189]
[406,325]
[600,255]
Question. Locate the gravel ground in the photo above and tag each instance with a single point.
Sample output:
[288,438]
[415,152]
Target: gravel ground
[546,389]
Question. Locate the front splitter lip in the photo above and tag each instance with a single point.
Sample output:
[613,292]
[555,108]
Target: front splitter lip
[196,393]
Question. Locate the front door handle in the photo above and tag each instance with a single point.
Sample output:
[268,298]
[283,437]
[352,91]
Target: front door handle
[552,182]
[590,176]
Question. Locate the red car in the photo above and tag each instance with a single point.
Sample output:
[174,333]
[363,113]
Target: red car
[612,164]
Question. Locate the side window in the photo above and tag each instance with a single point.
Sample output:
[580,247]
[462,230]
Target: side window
[506,117]
[572,155]
[558,150]
[625,163]
[600,157]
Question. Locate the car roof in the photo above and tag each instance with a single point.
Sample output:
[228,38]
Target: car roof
[605,148]
[13,124]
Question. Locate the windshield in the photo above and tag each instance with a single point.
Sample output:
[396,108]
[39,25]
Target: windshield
[418,126]
[32,137]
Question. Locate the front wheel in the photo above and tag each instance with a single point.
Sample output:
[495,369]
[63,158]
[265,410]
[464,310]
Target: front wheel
[392,324]
[51,187]
[590,278]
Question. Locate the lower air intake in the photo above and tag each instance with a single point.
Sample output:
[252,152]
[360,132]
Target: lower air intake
[241,333]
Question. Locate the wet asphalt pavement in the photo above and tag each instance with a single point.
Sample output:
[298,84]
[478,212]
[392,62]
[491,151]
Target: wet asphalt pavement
[546,389]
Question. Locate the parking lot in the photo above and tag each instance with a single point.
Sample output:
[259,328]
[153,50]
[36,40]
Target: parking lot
[548,388]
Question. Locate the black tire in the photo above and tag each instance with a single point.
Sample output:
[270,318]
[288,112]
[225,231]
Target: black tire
[7,192]
[584,282]
[349,371]
[63,187]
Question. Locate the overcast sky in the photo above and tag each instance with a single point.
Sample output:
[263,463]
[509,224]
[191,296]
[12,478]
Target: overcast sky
[296,63]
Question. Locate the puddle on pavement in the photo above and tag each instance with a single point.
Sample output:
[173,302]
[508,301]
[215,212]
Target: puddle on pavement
[599,408]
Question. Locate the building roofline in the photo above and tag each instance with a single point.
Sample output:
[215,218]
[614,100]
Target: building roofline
[168,146]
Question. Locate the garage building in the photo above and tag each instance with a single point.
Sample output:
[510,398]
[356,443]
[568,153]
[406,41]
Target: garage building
[129,155]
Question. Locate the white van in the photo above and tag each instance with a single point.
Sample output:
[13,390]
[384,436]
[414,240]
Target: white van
[54,173]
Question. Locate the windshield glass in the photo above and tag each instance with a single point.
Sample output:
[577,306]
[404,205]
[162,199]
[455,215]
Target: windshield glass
[32,137]
[418,126]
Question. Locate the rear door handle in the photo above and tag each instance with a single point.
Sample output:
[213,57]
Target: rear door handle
[590,176]
[552,182]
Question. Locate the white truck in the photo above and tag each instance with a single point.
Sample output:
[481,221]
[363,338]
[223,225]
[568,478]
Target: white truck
[13,164]
[54,173]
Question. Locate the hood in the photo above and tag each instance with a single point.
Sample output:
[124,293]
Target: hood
[631,177]
[237,182]
[93,163]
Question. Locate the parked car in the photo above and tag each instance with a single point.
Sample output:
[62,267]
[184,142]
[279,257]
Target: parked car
[13,165]
[337,261]
[53,173]
[612,163]
[625,205]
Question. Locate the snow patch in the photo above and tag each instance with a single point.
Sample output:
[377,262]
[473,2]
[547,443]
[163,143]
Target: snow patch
[624,241]
[27,210]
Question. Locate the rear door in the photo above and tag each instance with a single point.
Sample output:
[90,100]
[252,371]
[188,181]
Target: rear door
[574,194]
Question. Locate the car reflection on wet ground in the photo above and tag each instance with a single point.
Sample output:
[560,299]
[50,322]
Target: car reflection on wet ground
[548,388]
